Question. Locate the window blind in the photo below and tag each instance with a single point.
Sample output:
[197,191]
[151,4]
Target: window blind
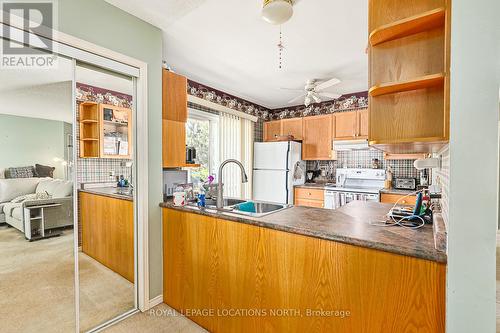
[236,141]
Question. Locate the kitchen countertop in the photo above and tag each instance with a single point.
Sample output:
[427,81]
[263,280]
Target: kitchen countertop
[396,191]
[108,192]
[319,186]
[349,224]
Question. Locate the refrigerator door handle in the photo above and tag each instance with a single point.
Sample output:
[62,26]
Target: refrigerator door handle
[286,187]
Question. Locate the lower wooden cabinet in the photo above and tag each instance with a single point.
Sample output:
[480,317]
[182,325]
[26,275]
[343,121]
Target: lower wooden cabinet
[393,198]
[234,277]
[309,197]
[108,232]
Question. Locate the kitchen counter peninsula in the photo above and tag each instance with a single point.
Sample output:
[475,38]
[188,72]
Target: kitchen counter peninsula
[331,270]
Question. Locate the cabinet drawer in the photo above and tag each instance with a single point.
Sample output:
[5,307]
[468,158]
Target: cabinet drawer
[310,194]
[393,198]
[309,203]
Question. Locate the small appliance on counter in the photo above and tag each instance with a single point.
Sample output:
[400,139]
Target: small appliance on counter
[171,178]
[190,155]
[405,184]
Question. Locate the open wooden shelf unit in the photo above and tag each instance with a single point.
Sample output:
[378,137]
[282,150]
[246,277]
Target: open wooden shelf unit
[408,26]
[409,57]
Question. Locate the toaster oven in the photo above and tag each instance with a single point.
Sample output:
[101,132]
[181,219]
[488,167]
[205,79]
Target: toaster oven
[405,183]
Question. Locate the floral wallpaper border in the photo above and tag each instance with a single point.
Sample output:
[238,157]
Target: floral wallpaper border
[347,102]
[344,103]
[227,100]
[85,92]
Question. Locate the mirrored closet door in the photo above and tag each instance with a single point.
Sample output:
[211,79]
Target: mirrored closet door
[37,289]
[67,176]
[104,169]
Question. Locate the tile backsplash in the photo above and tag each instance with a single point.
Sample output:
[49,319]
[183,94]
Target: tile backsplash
[441,177]
[363,159]
[97,170]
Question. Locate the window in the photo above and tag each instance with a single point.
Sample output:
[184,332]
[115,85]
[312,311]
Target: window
[202,134]
[217,138]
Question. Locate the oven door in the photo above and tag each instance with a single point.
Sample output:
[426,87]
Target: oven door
[370,197]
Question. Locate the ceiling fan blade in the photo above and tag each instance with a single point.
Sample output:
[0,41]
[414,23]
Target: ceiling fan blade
[329,95]
[327,84]
[292,89]
[316,98]
[296,99]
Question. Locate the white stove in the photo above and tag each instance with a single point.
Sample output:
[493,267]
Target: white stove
[354,184]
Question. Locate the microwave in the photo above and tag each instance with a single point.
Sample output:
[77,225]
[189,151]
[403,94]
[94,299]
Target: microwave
[405,183]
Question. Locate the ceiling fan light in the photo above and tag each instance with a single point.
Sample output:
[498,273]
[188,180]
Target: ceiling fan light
[277,11]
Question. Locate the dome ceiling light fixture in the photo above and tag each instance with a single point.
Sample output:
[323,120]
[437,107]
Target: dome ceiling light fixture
[277,11]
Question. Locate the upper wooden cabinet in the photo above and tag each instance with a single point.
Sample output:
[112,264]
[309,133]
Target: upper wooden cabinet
[174,120]
[409,61]
[272,129]
[346,125]
[174,144]
[105,131]
[363,124]
[174,95]
[275,128]
[389,156]
[351,125]
[317,138]
[292,127]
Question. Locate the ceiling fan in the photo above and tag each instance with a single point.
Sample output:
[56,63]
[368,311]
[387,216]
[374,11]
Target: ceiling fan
[313,91]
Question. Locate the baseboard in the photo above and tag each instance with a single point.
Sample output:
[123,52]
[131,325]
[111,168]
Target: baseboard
[155,301]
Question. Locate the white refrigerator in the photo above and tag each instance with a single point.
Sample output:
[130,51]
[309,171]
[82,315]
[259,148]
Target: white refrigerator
[274,166]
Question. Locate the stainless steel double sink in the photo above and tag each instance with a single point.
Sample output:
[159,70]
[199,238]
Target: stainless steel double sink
[245,207]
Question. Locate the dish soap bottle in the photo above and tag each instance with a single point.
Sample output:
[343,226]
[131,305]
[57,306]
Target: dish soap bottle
[201,197]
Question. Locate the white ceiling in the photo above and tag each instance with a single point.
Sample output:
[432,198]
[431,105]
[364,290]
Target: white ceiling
[47,94]
[225,44]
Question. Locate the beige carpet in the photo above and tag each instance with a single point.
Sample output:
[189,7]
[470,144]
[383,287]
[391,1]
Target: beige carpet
[160,319]
[37,286]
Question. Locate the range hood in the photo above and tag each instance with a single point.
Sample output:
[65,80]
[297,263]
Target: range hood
[347,145]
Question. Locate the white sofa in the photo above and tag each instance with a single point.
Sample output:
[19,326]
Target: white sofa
[59,191]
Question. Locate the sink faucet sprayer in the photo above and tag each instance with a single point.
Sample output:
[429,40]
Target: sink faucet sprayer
[244,179]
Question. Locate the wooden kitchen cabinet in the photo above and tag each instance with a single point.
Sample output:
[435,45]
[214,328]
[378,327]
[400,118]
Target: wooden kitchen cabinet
[409,75]
[393,198]
[175,116]
[174,94]
[174,144]
[309,197]
[362,124]
[389,156]
[105,131]
[292,126]
[317,138]
[346,125]
[108,232]
[351,125]
[212,265]
[272,129]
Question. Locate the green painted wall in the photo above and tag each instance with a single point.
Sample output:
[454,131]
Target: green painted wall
[25,141]
[103,24]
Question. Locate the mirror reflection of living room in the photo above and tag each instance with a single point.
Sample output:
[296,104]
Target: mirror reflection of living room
[36,197]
